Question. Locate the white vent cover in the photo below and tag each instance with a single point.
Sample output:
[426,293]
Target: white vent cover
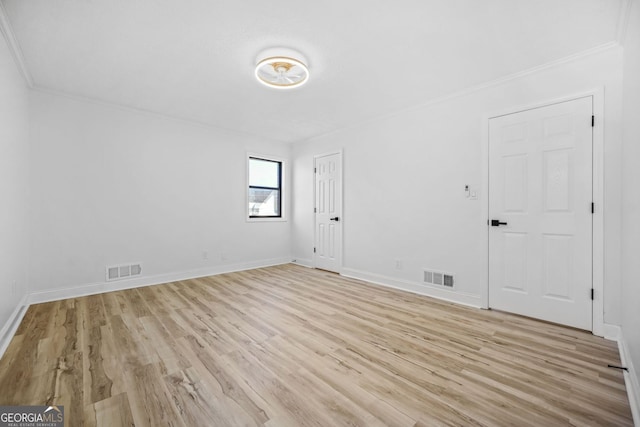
[439,278]
[124,271]
[112,273]
[428,276]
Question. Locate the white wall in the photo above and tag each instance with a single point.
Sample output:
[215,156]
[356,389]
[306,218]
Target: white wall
[113,186]
[14,179]
[404,179]
[631,198]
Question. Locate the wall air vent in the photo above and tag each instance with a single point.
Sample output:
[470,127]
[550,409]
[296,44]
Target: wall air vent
[448,280]
[123,271]
[439,278]
[428,277]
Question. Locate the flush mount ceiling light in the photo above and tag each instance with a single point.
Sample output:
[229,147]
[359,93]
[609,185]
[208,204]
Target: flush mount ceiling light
[281,68]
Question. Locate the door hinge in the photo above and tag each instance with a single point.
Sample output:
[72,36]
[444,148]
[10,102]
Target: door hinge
[314,250]
[593,207]
[315,170]
[592,294]
[593,121]
[315,210]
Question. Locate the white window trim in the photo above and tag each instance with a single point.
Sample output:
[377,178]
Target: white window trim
[283,188]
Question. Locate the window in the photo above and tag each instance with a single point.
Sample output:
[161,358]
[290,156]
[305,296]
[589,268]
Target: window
[265,188]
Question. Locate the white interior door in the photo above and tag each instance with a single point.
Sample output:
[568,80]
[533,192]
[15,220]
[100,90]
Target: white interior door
[540,187]
[328,212]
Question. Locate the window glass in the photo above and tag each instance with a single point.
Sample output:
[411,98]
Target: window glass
[264,173]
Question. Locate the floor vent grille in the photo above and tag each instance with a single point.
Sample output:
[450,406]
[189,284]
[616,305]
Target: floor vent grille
[439,278]
[123,271]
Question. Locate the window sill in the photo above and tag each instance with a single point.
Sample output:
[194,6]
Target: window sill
[266,219]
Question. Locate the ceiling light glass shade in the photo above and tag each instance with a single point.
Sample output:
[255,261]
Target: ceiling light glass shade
[282,72]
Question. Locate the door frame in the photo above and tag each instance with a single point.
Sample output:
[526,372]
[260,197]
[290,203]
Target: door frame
[597,265]
[315,234]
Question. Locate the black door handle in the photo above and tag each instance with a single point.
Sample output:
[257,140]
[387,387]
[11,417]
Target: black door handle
[497,223]
[335,218]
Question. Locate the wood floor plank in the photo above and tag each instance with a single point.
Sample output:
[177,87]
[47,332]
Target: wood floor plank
[290,346]
[226,387]
[150,400]
[194,402]
[111,412]
[97,384]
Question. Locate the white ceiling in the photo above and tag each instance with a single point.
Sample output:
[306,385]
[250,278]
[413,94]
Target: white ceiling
[194,59]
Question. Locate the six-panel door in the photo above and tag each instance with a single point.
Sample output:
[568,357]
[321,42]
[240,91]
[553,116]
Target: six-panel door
[540,185]
[328,183]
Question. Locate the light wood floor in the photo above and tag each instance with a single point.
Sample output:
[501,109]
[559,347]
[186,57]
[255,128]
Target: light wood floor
[289,346]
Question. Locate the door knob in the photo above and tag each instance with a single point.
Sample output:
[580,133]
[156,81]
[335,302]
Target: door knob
[497,223]
[335,218]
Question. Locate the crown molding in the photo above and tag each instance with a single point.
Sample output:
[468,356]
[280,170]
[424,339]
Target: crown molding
[14,46]
[151,113]
[472,89]
[623,20]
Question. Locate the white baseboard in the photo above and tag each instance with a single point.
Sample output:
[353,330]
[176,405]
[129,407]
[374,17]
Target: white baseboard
[417,288]
[303,262]
[102,287]
[9,329]
[611,332]
[630,378]
[11,326]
